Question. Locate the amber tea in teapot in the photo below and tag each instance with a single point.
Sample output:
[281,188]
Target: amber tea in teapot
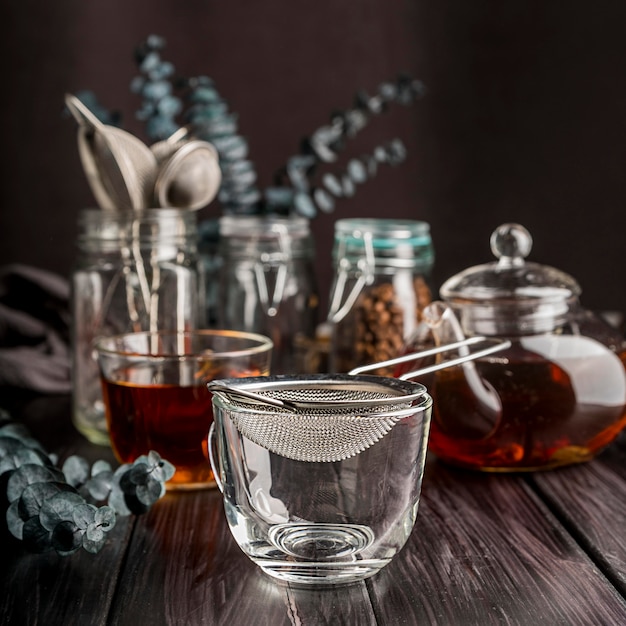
[556,396]
[553,412]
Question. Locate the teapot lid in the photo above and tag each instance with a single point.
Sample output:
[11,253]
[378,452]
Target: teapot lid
[511,281]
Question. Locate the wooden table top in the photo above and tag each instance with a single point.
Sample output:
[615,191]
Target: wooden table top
[544,548]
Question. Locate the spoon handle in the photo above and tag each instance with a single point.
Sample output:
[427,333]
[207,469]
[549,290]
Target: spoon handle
[82,114]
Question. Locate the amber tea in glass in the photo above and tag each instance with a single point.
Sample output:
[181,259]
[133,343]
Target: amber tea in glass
[155,394]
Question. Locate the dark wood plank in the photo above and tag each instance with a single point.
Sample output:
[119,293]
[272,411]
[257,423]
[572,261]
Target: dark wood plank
[485,550]
[185,568]
[348,604]
[590,499]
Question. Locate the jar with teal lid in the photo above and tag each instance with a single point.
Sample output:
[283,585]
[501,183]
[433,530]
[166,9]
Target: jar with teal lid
[381,285]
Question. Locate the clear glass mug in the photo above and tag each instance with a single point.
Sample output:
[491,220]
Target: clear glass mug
[156,398]
[302,492]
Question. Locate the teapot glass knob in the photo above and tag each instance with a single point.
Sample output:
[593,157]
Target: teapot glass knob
[511,244]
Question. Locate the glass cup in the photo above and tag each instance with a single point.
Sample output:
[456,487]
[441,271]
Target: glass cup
[329,494]
[156,398]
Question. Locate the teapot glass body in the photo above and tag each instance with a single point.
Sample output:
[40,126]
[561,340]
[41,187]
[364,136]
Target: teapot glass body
[557,396]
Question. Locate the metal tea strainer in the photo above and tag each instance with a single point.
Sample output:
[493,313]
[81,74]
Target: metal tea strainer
[331,417]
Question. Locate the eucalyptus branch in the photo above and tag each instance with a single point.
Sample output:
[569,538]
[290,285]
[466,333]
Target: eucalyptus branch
[300,186]
[56,509]
[297,187]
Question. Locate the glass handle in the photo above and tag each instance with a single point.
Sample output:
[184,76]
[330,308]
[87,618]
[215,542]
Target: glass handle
[212,458]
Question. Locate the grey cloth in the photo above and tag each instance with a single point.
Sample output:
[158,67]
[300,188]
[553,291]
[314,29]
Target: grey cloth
[34,329]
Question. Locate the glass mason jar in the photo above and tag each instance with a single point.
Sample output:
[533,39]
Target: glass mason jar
[382,268]
[135,271]
[208,243]
[267,284]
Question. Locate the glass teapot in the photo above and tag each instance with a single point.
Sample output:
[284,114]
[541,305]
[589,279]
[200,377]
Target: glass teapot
[557,396]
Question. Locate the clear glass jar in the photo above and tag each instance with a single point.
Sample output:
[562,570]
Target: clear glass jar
[208,243]
[135,271]
[382,267]
[267,284]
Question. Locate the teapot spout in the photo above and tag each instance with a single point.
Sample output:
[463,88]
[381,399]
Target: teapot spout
[482,404]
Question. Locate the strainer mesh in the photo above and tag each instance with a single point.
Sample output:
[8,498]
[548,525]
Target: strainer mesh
[339,420]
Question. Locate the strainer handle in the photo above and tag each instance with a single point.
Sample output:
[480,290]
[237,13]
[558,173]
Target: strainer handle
[214,466]
[498,345]
[219,386]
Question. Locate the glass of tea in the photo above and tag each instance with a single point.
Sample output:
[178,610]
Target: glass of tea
[156,398]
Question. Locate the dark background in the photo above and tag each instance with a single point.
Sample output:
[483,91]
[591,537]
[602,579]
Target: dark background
[524,118]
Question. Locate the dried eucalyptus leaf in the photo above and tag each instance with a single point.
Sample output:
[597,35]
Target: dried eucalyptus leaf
[232,148]
[28,456]
[66,538]
[27,474]
[380,154]
[150,492]
[105,518]
[147,459]
[388,91]
[205,95]
[100,467]
[93,546]
[279,196]
[83,515]
[35,494]
[323,200]
[241,181]
[120,471]
[322,151]
[117,501]
[370,163]
[357,171]
[100,486]
[76,470]
[59,508]
[139,474]
[9,445]
[164,471]
[244,198]
[16,430]
[332,184]
[159,468]
[396,152]
[94,534]
[8,464]
[304,205]
[236,168]
[35,536]
[347,184]
[354,121]
[134,505]
[202,112]
[223,126]
[14,522]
